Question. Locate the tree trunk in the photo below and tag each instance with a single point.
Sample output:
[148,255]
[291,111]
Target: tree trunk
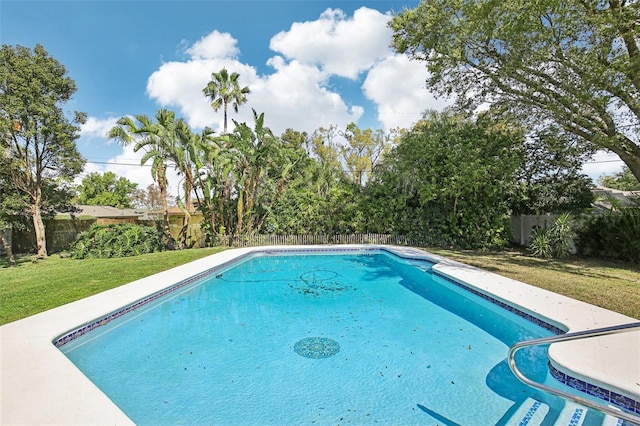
[225,118]
[185,228]
[7,248]
[38,226]
[628,152]
[633,163]
[166,230]
[240,210]
[187,217]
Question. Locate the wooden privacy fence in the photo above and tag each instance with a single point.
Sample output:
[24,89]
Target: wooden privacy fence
[269,239]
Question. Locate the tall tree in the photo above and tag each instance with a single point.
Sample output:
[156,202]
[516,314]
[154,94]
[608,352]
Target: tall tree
[106,190]
[149,198]
[572,62]
[38,139]
[363,150]
[224,89]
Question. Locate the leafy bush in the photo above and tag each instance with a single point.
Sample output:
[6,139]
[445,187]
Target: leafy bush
[613,235]
[448,182]
[554,241]
[118,240]
[541,243]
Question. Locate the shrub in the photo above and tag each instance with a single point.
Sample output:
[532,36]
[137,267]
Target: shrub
[119,240]
[613,235]
[540,243]
[554,241]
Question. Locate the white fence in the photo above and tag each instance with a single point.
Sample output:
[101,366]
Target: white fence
[521,226]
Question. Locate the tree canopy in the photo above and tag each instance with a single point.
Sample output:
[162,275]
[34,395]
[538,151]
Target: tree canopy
[551,179]
[575,63]
[39,155]
[622,180]
[448,182]
[106,190]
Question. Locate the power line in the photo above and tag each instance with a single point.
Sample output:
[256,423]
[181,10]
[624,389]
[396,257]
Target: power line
[604,161]
[118,164]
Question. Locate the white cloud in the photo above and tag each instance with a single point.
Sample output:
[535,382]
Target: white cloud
[214,45]
[96,127]
[299,92]
[398,87]
[294,95]
[338,45]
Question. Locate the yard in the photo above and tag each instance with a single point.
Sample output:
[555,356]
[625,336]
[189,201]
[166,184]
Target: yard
[37,286]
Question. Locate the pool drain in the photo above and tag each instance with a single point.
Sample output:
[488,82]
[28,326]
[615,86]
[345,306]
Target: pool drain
[316,347]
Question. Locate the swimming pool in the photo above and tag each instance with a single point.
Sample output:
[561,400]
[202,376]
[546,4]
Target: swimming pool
[328,349]
[293,339]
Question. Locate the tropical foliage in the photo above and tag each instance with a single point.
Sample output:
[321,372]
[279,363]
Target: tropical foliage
[119,240]
[614,234]
[160,140]
[555,241]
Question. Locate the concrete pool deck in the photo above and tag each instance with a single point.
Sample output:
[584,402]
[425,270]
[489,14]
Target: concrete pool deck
[40,385]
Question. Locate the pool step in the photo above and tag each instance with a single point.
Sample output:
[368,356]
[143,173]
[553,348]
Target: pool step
[533,413]
[530,412]
[572,414]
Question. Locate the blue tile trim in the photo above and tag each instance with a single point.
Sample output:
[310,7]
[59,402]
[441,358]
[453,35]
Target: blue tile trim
[621,401]
[66,338]
[531,318]
[575,418]
[580,385]
[140,303]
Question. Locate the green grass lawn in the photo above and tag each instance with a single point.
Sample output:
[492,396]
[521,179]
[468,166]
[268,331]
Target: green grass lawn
[34,287]
[611,285]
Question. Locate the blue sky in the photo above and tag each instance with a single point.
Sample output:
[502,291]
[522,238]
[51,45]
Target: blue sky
[308,63]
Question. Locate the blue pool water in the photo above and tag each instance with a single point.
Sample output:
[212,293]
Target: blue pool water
[314,339]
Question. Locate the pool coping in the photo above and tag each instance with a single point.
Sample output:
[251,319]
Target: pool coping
[40,385]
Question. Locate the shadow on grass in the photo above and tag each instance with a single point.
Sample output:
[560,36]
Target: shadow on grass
[505,261]
[21,259]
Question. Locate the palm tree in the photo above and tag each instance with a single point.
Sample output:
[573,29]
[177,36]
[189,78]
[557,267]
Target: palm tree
[224,89]
[204,149]
[261,170]
[182,154]
[159,140]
